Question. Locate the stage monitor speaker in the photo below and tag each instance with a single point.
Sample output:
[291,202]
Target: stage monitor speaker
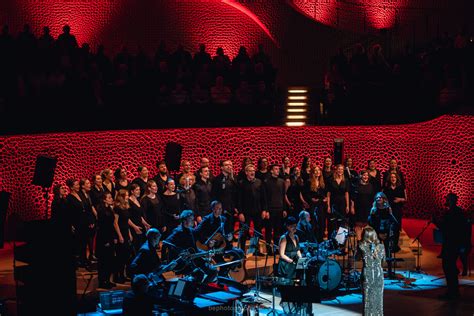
[4,198]
[173,154]
[338,151]
[44,171]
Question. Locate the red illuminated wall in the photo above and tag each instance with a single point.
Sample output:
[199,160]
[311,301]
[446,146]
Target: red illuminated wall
[144,23]
[436,156]
[299,46]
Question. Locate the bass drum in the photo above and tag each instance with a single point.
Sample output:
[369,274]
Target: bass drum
[329,275]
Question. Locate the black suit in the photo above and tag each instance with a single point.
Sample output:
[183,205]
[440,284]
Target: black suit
[203,192]
[275,191]
[183,238]
[208,226]
[224,189]
[455,236]
[252,201]
[146,261]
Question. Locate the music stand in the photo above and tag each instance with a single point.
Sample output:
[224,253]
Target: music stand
[253,247]
[417,239]
[298,295]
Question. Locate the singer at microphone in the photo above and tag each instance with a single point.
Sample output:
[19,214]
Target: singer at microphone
[382,219]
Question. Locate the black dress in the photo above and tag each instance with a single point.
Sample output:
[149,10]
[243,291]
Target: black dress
[391,194]
[376,181]
[171,207]
[142,184]
[112,189]
[293,193]
[384,225]
[97,195]
[80,222]
[105,243]
[153,211]
[397,208]
[123,249]
[318,209]
[286,269]
[119,186]
[338,204]
[136,215]
[363,201]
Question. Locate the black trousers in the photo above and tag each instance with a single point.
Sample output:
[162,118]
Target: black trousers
[398,214]
[245,233]
[336,218]
[276,222]
[123,252]
[105,263]
[84,239]
[449,257]
[319,214]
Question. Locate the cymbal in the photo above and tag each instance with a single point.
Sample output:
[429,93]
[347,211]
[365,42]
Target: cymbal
[308,244]
[251,300]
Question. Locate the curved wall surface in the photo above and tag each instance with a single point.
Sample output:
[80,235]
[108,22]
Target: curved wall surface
[436,156]
[300,35]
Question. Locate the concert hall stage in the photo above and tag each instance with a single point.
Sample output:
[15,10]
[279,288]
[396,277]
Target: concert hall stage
[410,294]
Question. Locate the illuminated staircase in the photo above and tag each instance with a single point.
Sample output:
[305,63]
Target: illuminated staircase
[296,113]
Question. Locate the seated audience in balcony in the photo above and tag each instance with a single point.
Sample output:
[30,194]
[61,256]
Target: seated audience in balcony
[200,96]
[220,93]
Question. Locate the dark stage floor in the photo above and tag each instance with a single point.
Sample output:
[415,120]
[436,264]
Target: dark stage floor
[416,296]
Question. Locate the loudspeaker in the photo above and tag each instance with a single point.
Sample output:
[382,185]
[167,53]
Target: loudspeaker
[4,198]
[338,151]
[44,171]
[173,154]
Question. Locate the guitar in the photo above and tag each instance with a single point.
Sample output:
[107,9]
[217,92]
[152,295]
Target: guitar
[186,257]
[219,241]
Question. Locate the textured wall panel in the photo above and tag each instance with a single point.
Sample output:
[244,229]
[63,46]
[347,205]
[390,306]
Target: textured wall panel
[144,23]
[436,156]
[299,46]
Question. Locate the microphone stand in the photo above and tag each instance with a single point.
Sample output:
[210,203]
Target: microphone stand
[417,239]
[255,245]
[391,261]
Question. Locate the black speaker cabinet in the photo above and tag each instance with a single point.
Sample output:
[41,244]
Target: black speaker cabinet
[338,151]
[4,198]
[44,171]
[173,153]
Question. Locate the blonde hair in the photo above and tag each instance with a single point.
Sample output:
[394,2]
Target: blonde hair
[334,175]
[120,200]
[148,185]
[369,235]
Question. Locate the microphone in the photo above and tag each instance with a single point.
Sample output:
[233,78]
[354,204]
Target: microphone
[372,247]
[222,225]
[227,213]
[170,244]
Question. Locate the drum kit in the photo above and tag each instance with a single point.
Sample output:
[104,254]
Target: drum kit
[322,269]
[319,265]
